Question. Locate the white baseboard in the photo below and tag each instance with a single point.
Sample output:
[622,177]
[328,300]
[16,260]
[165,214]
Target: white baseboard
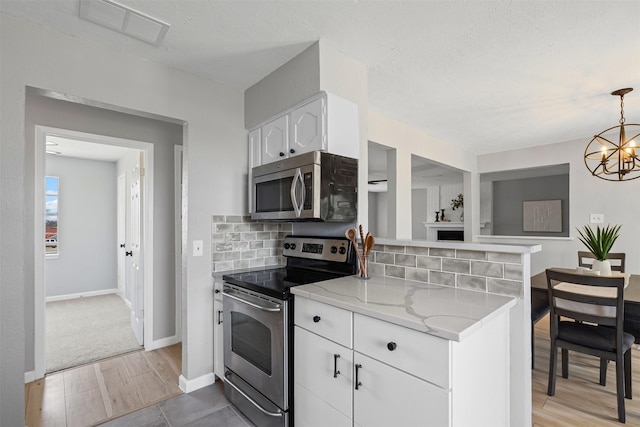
[162,342]
[197,383]
[29,376]
[80,295]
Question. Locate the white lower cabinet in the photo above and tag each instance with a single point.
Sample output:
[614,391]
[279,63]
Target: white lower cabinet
[395,376]
[389,397]
[218,342]
[323,379]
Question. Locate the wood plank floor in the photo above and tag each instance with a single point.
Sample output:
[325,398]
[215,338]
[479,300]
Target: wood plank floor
[92,394]
[579,400]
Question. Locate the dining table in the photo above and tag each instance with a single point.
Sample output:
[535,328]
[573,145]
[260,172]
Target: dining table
[631,299]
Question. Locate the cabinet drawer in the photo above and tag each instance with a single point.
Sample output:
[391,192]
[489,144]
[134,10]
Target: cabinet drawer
[417,353]
[325,320]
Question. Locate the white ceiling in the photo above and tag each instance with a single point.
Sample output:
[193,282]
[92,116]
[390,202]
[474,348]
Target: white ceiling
[484,75]
[67,147]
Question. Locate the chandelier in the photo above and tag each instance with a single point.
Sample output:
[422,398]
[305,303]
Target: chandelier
[610,155]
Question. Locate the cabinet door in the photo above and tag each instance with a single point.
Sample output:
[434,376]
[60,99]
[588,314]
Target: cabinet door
[275,137]
[218,353]
[309,127]
[324,369]
[389,397]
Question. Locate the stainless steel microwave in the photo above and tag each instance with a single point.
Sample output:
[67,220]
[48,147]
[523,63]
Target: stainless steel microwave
[314,186]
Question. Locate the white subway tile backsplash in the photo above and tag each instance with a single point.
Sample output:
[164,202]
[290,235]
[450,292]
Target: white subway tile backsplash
[494,272]
[237,242]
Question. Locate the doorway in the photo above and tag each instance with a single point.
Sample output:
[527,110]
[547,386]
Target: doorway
[137,157]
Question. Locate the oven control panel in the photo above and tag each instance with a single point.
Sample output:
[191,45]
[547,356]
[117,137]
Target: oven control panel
[327,249]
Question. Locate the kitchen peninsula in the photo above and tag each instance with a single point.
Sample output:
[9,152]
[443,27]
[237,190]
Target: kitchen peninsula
[485,269]
[403,352]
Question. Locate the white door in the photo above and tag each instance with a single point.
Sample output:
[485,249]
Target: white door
[121,231]
[308,128]
[136,271]
[275,140]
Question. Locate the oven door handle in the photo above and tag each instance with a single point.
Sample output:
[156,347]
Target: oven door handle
[236,388]
[261,307]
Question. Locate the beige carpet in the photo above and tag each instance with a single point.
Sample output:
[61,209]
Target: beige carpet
[83,330]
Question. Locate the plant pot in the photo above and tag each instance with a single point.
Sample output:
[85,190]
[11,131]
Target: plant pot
[604,267]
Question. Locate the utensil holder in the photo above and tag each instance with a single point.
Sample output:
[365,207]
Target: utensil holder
[363,269]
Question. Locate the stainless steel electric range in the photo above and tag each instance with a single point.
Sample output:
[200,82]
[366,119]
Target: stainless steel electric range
[258,325]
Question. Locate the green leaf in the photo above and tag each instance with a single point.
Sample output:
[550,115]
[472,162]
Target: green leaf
[600,242]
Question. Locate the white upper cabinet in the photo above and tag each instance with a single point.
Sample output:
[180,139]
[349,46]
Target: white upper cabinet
[275,140]
[308,128]
[324,122]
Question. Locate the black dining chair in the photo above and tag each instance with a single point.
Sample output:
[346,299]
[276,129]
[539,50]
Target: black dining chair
[539,308]
[591,324]
[585,259]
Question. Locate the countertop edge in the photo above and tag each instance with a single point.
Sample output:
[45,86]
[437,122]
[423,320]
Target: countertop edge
[452,336]
[474,246]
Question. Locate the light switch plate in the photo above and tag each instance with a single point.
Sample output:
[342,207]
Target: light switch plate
[197,247]
[596,218]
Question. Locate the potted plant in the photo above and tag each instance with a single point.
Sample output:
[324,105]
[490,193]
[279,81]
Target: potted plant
[458,203]
[599,244]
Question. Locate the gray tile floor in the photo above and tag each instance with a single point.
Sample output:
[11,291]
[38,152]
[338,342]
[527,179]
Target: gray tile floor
[205,407]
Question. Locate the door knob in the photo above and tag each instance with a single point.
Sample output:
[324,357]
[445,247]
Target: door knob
[128,253]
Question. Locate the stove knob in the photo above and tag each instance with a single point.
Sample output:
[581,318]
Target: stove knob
[293,246]
[286,246]
[343,250]
[334,249]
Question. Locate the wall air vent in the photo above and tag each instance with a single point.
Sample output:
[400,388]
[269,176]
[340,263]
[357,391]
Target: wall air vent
[123,19]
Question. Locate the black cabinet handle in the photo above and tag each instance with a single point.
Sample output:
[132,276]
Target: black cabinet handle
[217,291]
[358,383]
[219,316]
[122,245]
[129,253]
[292,151]
[281,154]
[316,319]
[391,346]
[335,365]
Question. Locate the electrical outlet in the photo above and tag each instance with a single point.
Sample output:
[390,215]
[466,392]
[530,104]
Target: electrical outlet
[596,218]
[197,247]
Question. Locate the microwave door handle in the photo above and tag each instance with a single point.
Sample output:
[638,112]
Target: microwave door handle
[297,207]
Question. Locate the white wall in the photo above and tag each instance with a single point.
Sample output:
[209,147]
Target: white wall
[618,201]
[214,178]
[408,141]
[86,227]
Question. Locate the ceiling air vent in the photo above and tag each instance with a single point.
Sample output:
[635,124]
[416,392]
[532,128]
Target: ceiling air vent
[123,19]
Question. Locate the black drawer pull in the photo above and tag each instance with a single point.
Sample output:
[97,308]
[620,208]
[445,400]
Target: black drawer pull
[335,365]
[316,319]
[358,383]
[391,346]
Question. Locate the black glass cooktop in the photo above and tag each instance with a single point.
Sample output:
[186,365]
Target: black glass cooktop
[276,282]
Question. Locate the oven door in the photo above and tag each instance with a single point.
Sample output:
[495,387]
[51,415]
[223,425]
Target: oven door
[255,342]
[288,194]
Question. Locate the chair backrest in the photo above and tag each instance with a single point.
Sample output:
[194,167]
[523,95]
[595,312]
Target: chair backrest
[585,259]
[585,297]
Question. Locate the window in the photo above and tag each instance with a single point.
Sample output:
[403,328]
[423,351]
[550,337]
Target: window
[51,216]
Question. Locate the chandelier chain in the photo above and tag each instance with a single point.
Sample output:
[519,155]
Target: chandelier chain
[621,109]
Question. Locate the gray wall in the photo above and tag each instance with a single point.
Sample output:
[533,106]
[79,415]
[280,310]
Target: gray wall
[86,227]
[420,213]
[508,196]
[67,115]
